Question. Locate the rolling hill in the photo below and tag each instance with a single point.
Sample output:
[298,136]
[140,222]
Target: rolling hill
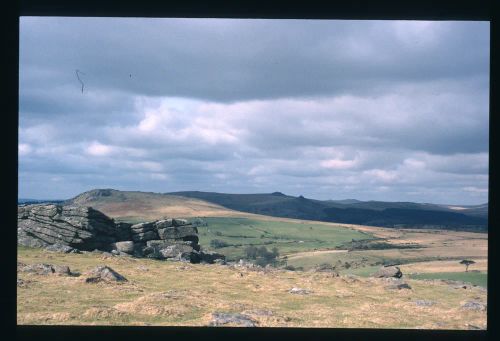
[139,206]
[376,213]
[145,205]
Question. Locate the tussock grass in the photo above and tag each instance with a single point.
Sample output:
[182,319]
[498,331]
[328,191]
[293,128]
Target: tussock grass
[167,293]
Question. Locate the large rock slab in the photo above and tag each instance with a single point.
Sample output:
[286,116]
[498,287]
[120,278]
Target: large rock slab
[83,228]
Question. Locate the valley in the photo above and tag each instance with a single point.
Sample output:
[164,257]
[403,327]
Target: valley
[346,295]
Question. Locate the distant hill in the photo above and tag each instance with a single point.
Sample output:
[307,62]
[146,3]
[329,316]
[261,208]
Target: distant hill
[350,211]
[143,205]
[38,201]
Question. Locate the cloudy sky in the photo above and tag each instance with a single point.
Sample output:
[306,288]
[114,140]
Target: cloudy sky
[372,110]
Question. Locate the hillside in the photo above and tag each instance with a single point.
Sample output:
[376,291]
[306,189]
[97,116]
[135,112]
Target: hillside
[139,206]
[377,213]
[135,205]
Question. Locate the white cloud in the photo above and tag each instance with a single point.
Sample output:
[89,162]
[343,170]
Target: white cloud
[339,164]
[99,149]
[24,149]
[475,189]
[381,175]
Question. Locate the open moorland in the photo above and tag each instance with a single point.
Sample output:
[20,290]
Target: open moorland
[176,293]
[305,243]
[166,293]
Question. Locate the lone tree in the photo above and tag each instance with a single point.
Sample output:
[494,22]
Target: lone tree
[467,262]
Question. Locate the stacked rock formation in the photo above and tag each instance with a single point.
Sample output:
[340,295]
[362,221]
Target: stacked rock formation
[162,239]
[83,228]
[87,229]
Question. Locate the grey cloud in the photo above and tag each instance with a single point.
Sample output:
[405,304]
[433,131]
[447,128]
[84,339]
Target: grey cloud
[367,110]
[229,60]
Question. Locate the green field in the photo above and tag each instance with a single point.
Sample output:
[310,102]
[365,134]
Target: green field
[287,236]
[477,278]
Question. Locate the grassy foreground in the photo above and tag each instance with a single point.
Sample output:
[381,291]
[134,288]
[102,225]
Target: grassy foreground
[179,294]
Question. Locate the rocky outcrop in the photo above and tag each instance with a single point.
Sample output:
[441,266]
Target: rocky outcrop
[82,228]
[74,228]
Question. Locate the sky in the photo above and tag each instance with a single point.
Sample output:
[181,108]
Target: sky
[327,109]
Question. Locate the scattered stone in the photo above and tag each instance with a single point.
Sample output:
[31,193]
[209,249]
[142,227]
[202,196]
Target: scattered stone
[46,269]
[350,278]
[424,303]
[22,283]
[58,247]
[115,252]
[299,291]
[104,273]
[388,271]
[241,320]
[61,270]
[39,269]
[220,261]
[142,268]
[474,305]
[325,267]
[399,286]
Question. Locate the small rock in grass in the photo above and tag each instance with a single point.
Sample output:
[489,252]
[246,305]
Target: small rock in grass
[474,305]
[61,270]
[424,303]
[388,271]
[242,320]
[104,273]
[58,247]
[46,269]
[399,286]
[299,291]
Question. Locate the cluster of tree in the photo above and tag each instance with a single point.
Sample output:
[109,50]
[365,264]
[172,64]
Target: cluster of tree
[261,255]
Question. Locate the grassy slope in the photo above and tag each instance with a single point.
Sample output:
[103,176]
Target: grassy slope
[288,236]
[476,278]
[172,293]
